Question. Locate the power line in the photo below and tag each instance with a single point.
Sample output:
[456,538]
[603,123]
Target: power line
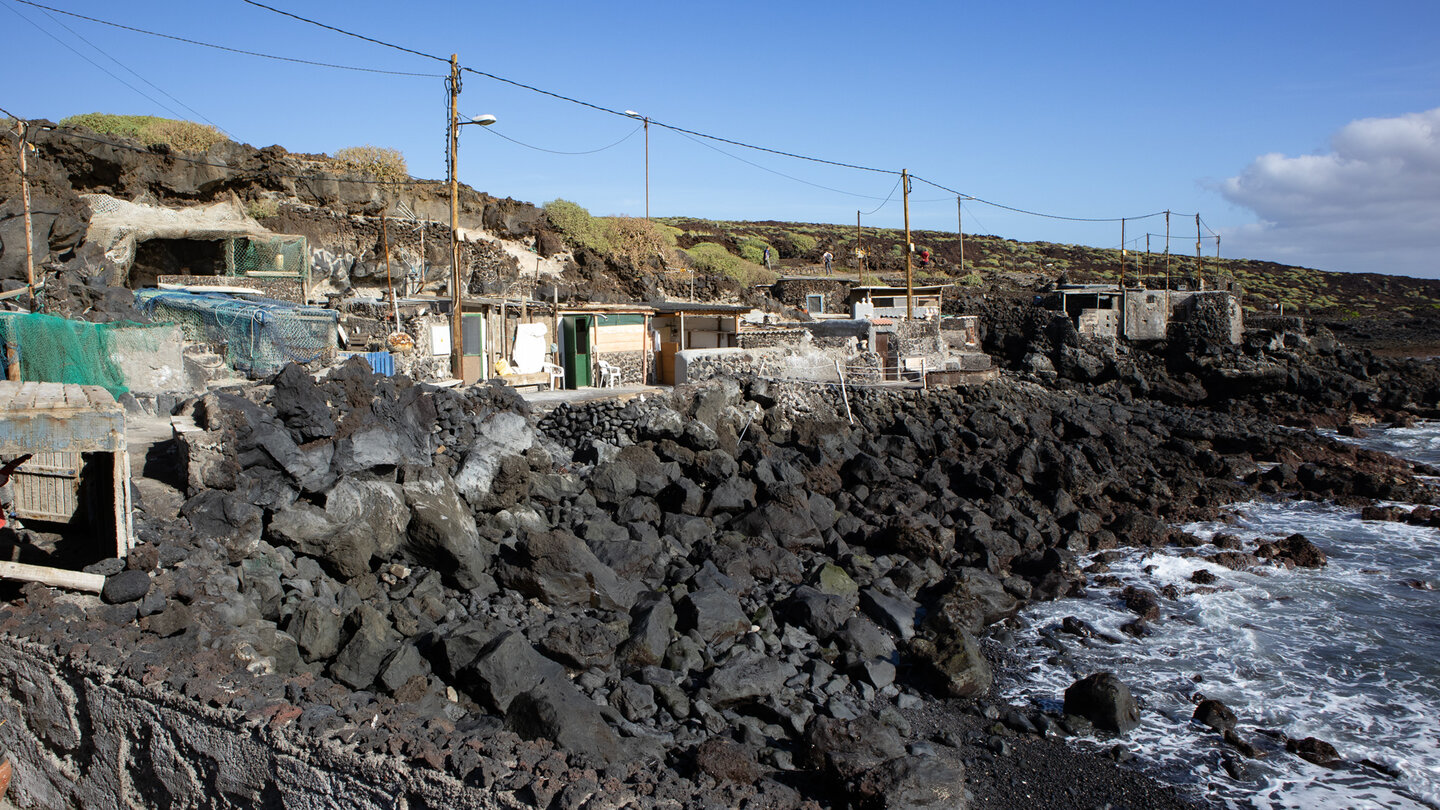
[227,48]
[97,65]
[1035,213]
[627,137]
[782,174]
[133,73]
[347,33]
[569,99]
[888,198]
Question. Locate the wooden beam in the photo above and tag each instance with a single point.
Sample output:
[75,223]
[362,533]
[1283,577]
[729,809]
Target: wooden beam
[54,577]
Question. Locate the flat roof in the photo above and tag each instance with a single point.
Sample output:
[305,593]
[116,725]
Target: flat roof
[888,288]
[673,307]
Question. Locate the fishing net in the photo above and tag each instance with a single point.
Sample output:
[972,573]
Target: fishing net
[51,349]
[255,336]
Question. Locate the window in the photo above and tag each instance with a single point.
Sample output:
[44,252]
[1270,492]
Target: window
[815,303]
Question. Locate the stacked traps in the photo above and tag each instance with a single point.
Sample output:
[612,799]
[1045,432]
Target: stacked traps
[256,336]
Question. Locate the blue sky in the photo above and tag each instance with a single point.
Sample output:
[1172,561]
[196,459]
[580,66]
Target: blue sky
[1307,133]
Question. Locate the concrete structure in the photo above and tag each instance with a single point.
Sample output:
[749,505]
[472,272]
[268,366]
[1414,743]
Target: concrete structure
[815,296]
[890,302]
[1108,311]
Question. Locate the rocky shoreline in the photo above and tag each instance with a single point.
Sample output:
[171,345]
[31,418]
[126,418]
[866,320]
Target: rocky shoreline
[728,595]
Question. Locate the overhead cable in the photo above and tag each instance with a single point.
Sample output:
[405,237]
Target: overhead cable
[97,65]
[627,137]
[162,91]
[227,48]
[784,175]
[1033,213]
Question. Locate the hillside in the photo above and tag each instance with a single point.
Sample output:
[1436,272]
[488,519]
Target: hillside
[335,201]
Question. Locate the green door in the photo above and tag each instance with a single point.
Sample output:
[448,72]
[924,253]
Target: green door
[576,329]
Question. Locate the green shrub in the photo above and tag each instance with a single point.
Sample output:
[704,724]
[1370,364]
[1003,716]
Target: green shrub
[753,250]
[795,245]
[712,258]
[636,240]
[378,162]
[184,136]
[972,280]
[262,209]
[577,226]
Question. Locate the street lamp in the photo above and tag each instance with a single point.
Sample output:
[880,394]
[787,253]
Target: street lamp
[634,114]
[456,348]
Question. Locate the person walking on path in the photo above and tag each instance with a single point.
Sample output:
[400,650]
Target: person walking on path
[925,257]
[767,259]
[827,259]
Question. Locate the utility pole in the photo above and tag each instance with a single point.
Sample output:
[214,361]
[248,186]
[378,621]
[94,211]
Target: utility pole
[1199,261]
[1122,252]
[1146,266]
[25,201]
[1167,251]
[647,168]
[909,273]
[859,253]
[456,350]
[960,220]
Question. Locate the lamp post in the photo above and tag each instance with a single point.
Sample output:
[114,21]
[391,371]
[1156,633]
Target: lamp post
[456,347]
[646,119]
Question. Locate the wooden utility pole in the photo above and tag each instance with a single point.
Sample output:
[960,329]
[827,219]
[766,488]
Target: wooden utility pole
[647,168]
[456,353]
[389,283]
[909,273]
[25,201]
[859,253]
[1146,266]
[1199,261]
[960,220]
[1167,251]
[1122,251]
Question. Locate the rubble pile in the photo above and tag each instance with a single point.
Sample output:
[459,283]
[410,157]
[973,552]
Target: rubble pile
[730,592]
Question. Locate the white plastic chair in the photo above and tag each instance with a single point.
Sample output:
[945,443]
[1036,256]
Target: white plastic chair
[557,375]
[609,375]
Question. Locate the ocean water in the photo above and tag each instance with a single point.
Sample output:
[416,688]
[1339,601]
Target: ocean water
[1349,653]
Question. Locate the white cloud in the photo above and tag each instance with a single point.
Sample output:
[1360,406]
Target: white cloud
[1371,204]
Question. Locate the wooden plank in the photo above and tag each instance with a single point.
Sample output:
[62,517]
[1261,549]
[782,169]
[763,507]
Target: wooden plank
[54,577]
[49,396]
[25,398]
[627,338]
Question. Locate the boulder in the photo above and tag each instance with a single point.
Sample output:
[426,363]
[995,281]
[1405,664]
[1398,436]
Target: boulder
[316,625]
[126,586]
[556,710]
[442,533]
[1216,715]
[371,642]
[746,678]
[226,519]
[498,435]
[507,667]
[820,613]
[726,761]
[560,570]
[652,623]
[955,664]
[1104,700]
[1313,749]
[301,405]
[713,613]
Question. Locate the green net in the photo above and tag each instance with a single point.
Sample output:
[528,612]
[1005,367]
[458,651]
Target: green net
[256,336]
[280,256]
[52,349]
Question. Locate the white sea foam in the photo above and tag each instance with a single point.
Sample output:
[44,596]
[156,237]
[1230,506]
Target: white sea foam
[1347,653]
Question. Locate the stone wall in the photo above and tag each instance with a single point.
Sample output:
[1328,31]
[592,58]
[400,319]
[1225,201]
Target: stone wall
[83,735]
[1215,316]
[793,291]
[770,338]
[632,365]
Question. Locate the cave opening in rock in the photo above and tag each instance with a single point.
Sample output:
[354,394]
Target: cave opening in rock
[176,257]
